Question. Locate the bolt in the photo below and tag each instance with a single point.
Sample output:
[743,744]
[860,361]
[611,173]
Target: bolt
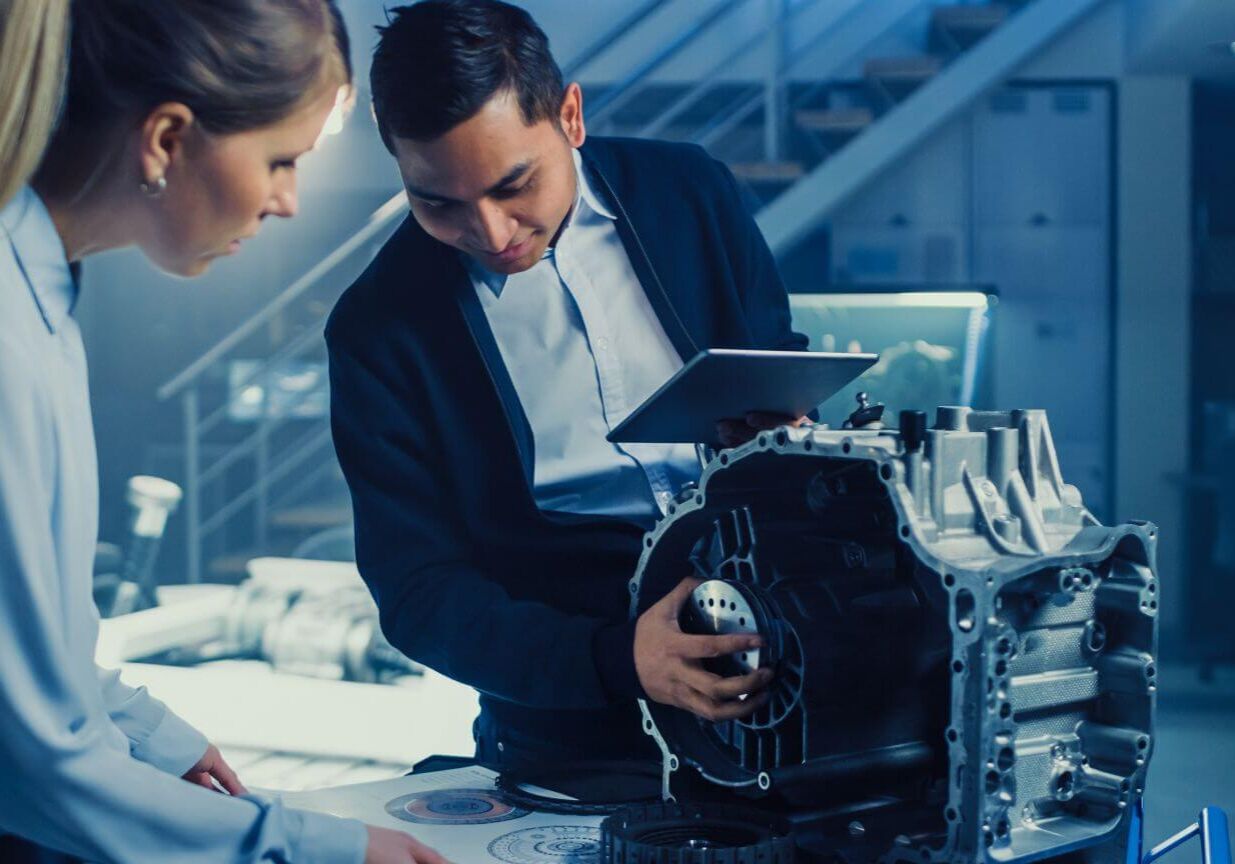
[856,829]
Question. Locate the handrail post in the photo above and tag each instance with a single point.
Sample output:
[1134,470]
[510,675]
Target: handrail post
[192,487]
[261,461]
[773,91]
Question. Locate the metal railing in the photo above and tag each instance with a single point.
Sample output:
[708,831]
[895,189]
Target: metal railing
[279,478]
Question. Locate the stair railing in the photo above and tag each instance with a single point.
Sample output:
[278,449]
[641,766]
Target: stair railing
[856,30]
[607,104]
[781,18]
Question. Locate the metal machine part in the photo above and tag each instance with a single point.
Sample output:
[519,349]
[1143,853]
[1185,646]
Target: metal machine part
[310,618]
[587,788]
[672,833]
[964,658]
[331,632]
[152,500]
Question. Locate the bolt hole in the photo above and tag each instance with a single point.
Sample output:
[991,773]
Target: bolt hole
[992,782]
[885,471]
[958,667]
[949,580]
[1095,637]
[1141,743]
[904,530]
[1005,711]
[1001,668]
[724,458]
[807,445]
[1065,784]
[1003,646]
[966,611]
[781,438]
[711,602]
[1007,758]
[952,735]
[846,447]
[1001,830]
[950,814]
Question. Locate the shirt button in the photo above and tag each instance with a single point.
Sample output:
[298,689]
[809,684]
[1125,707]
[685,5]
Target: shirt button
[602,343]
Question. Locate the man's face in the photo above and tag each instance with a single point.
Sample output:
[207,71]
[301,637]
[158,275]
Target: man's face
[493,186]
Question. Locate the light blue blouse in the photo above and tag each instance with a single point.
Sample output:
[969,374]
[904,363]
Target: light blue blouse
[89,765]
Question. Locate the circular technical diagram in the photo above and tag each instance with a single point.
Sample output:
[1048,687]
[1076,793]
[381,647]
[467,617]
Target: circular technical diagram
[454,807]
[551,844]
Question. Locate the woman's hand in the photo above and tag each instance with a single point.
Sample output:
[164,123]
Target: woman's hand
[395,847]
[212,771]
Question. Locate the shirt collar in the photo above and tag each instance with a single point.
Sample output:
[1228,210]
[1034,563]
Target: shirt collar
[586,196]
[40,255]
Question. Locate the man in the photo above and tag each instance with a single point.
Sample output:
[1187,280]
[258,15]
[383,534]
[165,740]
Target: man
[545,285]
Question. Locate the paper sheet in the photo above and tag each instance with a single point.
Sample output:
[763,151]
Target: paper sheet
[461,814]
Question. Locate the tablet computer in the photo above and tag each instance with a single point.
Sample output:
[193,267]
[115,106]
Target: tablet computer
[724,383]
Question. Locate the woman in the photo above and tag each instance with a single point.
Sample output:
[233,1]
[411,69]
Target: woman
[183,123]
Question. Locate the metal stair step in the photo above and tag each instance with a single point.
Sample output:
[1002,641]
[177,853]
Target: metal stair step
[776,172]
[835,121]
[892,79]
[957,27]
[312,517]
[917,68]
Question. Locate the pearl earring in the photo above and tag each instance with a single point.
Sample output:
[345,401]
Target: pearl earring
[155,189]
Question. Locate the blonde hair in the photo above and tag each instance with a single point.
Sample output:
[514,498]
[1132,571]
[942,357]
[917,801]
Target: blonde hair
[32,69]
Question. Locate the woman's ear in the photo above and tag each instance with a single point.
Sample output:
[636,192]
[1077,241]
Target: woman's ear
[162,140]
[570,115]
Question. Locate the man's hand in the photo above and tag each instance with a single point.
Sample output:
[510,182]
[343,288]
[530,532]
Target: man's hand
[669,665]
[395,847]
[212,767]
[733,432]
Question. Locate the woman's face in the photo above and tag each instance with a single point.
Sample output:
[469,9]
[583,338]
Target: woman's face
[223,186]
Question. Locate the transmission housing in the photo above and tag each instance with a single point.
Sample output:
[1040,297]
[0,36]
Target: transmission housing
[964,657]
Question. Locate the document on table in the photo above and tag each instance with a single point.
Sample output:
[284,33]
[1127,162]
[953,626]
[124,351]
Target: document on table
[462,815]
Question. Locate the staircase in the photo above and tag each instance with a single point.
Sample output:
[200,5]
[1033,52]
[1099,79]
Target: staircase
[817,98]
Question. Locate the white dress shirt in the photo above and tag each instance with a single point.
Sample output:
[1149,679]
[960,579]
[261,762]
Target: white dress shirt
[584,348]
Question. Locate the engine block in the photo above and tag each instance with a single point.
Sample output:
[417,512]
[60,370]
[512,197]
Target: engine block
[964,657]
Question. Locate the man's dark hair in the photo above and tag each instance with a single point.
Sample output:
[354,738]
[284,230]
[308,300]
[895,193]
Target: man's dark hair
[439,61]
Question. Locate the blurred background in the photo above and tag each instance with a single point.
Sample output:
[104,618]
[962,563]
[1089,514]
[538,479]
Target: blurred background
[1018,204]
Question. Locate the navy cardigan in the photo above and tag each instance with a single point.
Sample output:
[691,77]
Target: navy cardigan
[471,578]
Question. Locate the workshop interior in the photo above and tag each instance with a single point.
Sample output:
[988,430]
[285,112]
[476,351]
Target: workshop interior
[994,576]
